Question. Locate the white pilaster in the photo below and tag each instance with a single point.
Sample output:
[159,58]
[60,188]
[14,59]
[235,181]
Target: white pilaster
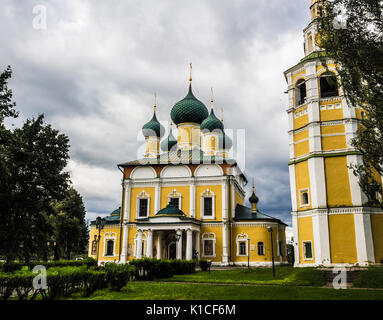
[225,214]
[126,213]
[225,255]
[179,245]
[321,238]
[317,182]
[149,244]
[192,199]
[189,244]
[125,232]
[357,195]
[198,243]
[232,199]
[364,240]
[157,198]
[293,187]
[296,239]
[139,245]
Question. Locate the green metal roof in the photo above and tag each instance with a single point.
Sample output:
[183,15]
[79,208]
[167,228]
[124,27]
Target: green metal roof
[245,213]
[153,128]
[168,143]
[189,109]
[170,210]
[113,217]
[211,123]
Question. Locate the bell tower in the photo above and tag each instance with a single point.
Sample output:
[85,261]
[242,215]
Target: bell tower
[331,220]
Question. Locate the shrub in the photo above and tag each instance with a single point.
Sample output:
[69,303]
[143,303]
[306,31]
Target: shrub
[150,269]
[370,278]
[204,264]
[117,275]
[310,277]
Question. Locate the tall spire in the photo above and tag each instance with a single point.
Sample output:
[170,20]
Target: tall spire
[222,115]
[155,102]
[191,69]
[212,99]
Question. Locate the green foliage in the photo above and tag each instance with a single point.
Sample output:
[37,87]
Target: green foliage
[14,266]
[309,277]
[203,264]
[117,275]
[370,278]
[150,269]
[358,49]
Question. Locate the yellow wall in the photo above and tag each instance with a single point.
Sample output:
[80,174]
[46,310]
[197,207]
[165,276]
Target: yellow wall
[342,238]
[337,182]
[302,148]
[256,234]
[300,121]
[238,198]
[217,230]
[302,182]
[377,234]
[133,201]
[217,190]
[185,197]
[108,229]
[334,143]
[305,231]
[188,134]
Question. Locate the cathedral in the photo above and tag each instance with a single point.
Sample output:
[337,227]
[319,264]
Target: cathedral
[184,199]
[332,222]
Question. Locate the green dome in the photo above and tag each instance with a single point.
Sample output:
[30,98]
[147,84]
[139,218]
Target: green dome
[169,142]
[171,210]
[253,198]
[189,109]
[211,123]
[224,141]
[153,128]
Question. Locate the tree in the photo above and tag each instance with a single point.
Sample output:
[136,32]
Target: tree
[351,33]
[32,163]
[68,222]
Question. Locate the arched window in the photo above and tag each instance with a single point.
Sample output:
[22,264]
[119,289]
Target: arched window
[208,245]
[109,247]
[175,199]
[143,203]
[208,205]
[328,85]
[300,92]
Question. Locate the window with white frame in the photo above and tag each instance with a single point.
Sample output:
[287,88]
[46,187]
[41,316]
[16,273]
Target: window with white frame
[109,241]
[208,205]
[175,199]
[304,197]
[242,244]
[208,245]
[307,250]
[143,203]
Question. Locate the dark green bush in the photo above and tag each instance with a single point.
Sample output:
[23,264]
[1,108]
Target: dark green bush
[310,277]
[370,278]
[204,264]
[117,275]
[14,266]
[150,269]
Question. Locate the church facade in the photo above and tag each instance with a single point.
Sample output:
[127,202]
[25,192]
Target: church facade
[185,199]
[332,222]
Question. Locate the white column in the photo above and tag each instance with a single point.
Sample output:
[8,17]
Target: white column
[124,243]
[317,182]
[149,244]
[225,215]
[364,240]
[321,238]
[139,245]
[179,245]
[293,188]
[189,244]
[192,199]
[157,198]
[225,256]
[159,245]
[296,239]
[232,199]
[197,243]
[357,195]
[126,208]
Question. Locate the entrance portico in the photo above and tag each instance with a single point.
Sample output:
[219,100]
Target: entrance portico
[168,237]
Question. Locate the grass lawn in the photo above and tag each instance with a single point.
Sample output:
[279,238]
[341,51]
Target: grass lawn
[175,291]
[283,276]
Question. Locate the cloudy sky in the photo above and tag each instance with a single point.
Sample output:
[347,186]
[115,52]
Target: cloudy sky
[95,65]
